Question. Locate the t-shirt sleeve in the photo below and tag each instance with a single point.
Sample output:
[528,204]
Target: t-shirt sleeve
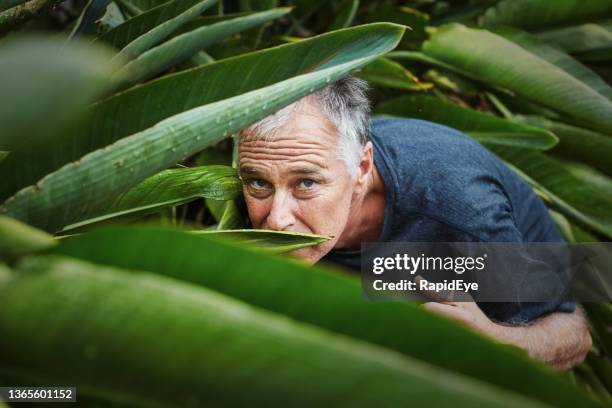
[491,220]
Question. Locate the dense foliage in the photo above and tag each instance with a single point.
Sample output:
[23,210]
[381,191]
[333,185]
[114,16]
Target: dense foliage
[121,111]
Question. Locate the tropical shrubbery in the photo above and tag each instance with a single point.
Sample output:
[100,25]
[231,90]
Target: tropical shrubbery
[123,114]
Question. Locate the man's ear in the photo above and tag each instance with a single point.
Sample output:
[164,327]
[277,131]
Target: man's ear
[366,165]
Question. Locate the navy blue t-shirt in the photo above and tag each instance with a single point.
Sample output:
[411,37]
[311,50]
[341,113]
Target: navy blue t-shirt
[443,186]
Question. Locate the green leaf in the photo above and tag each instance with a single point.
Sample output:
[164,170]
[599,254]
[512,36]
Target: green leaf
[86,23]
[600,316]
[583,37]
[162,333]
[448,80]
[417,56]
[128,8]
[584,41]
[133,28]
[209,20]
[563,225]
[231,217]
[257,5]
[557,58]
[346,15]
[168,189]
[588,175]
[148,4]
[111,18]
[390,74]
[580,235]
[179,48]
[414,19]
[39,106]
[490,58]
[536,14]
[269,240]
[56,200]
[333,301]
[142,107]
[18,239]
[577,143]
[214,155]
[162,31]
[216,209]
[580,202]
[602,367]
[481,126]
[588,378]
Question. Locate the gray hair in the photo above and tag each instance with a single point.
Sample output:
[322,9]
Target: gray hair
[346,105]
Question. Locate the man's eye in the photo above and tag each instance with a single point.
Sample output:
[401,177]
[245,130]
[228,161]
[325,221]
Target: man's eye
[258,184]
[307,183]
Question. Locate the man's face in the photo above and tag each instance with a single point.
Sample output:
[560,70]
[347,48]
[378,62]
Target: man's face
[295,181]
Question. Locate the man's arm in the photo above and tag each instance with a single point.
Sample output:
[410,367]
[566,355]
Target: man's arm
[559,339]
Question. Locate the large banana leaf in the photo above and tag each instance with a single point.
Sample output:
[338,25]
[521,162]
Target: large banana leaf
[490,58]
[268,240]
[168,189]
[558,58]
[390,74]
[208,20]
[589,175]
[181,47]
[162,31]
[144,340]
[580,202]
[580,38]
[56,200]
[535,14]
[481,126]
[144,106]
[577,143]
[133,28]
[324,298]
[34,103]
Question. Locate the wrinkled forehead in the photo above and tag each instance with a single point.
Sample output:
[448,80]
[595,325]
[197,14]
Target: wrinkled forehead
[303,122]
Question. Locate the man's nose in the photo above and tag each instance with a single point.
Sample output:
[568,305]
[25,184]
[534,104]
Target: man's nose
[280,217]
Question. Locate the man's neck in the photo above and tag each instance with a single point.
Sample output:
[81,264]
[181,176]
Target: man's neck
[366,217]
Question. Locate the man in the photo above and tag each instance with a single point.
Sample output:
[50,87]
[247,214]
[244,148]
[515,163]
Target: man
[315,167]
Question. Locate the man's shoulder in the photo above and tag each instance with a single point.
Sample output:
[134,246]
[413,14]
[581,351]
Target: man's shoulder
[426,155]
[420,135]
[442,174]
[392,124]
